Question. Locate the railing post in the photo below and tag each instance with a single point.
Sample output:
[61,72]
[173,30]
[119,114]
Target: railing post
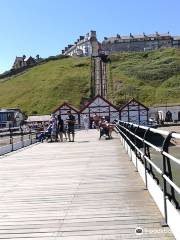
[123,125]
[22,137]
[165,148]
[11,139]
[31,136]
[126,141]
[131,138]
[135,142]
[145,161]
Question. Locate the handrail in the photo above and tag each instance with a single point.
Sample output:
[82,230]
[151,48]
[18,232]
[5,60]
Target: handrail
[163,132]
[142,154]
[15,138]
[133,133]
[152,145]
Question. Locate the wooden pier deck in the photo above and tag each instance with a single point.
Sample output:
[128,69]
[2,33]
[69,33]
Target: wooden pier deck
[86,190]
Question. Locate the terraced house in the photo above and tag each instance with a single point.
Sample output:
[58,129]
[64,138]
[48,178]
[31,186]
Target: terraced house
[140,42]
[88,45]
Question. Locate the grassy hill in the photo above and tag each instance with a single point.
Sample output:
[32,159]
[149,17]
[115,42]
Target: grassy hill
[152,77]
[44,87]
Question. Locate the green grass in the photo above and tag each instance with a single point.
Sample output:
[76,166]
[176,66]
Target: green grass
[44,87]
[151,77]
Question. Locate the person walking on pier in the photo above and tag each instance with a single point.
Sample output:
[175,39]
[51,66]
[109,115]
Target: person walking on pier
[70,126]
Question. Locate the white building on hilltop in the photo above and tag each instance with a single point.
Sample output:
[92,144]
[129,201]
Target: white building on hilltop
[84,46]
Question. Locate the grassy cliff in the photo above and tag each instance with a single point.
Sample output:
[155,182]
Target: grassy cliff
[151,77]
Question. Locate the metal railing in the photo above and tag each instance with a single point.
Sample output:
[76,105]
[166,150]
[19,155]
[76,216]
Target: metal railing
[143,141]
[15,138]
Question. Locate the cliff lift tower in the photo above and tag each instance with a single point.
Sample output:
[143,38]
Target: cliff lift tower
[99,74]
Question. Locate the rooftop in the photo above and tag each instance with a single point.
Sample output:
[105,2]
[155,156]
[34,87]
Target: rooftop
[139,36]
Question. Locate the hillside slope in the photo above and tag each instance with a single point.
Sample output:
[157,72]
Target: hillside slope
[44,87]
[151,77]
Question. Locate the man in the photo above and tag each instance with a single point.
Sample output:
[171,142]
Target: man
[61,129]
[70,125]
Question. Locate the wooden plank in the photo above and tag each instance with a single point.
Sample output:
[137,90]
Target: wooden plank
[82,190]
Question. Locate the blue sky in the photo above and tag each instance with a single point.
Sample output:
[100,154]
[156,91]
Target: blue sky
[45,27]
